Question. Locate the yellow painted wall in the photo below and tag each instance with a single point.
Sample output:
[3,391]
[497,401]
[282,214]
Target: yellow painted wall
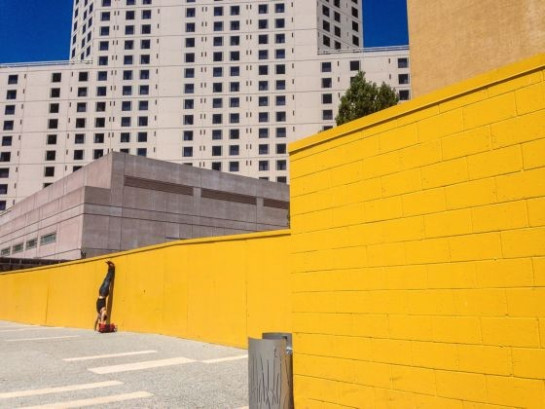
[218,290]
[418,236]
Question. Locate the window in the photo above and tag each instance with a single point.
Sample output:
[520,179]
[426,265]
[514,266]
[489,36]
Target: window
[56,77]
[103,46]
[188,135]
[235,25]
[101,91]
[263,117]
[13,79]
[126,90]
[218,11]
[81,107]
[280,84]
[102,75]
[189,88]
[280,54]
[263,9]
[50,155]
[234,118]
[280,148]
[327,114]
[190,12]
[129,15]
[51,124]
[100,123]
[104,31]
[234,134]
[234,102]
[100,107]
[279,23]
[327,82]
[144,74]
[327,98]
[404,95]
[217,87]
[145,29]
[54,93]
[142,121]
[217,102]
[263,85]
[187,151]
[7,250]
[280,69]
[78,154]
[263,165]
[142,152]
[234,86]
[82,91]
[263,70]
[51,139]
[188,119]
[263,39]
[79,138]
[49,171]
[127,75]
[48,239]
[234,40]
[32,243]
[12,94]
[263,54]
[53,108]
[263,24]
[354,65]
[402,63]
[218,26]
[279,8]
[281,165]
[99,138]
[189,27]
[143,90]
[146,14]
[263,133]
[216,150]
[145,44]
[217,56]
[217,134]
[129,30]
[403,79]
[216,166]
[128,59]
[125,121]
[263,149]
[234,56]
[280,100]
[235,10]
[6,140]
[234,150]
[103,60]
[142,137]
[124,137]
[98,153]
[10,110]
[281,132]
[190,57]
[217,118]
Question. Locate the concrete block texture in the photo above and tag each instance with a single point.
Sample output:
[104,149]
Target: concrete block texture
[414,259]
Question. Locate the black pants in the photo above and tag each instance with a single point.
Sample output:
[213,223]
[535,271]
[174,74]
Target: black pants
[104,289]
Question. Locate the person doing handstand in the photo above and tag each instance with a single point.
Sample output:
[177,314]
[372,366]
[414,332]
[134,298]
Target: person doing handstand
[103,293]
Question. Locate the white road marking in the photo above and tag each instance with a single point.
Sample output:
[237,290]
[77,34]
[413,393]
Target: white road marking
[229,358]
[68,388]
[17,329]
[87,358]
[244,407]
[92,401]
[140,365]
[41,338]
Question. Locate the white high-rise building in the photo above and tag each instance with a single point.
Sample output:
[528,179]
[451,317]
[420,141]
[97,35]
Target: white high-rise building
[223,85]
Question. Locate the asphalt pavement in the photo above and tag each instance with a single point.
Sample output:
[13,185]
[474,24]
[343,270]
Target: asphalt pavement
[56,368]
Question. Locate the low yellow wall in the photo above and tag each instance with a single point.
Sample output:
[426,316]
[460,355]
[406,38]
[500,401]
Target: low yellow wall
[219,290]
[419,241]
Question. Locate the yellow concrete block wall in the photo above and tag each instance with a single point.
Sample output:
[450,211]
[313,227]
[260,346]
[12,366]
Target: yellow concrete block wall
[418,238]
[218,290]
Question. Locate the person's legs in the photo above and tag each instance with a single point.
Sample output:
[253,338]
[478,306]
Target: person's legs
[104,289]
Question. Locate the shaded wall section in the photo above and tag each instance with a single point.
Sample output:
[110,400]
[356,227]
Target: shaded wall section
[419,240]
[219,290]
[453,40]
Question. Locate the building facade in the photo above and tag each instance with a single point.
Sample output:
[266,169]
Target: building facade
[121,202]
[494,33]
[221,85]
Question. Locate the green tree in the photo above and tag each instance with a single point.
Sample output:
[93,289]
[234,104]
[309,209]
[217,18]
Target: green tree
[364,98]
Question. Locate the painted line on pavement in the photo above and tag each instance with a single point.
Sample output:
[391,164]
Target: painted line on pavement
[87,358]
[18,329]
[229,358]
[58,389]
[140,365]
[92,401]
[41,338]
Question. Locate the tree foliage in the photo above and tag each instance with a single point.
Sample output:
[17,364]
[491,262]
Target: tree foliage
[364,98]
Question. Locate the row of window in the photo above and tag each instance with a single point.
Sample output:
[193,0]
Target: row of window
[30,244]
[108,3]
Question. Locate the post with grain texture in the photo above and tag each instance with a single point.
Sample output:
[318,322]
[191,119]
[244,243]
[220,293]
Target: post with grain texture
[270,372]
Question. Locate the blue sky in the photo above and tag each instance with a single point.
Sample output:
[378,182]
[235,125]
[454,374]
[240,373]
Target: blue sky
[39,30]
